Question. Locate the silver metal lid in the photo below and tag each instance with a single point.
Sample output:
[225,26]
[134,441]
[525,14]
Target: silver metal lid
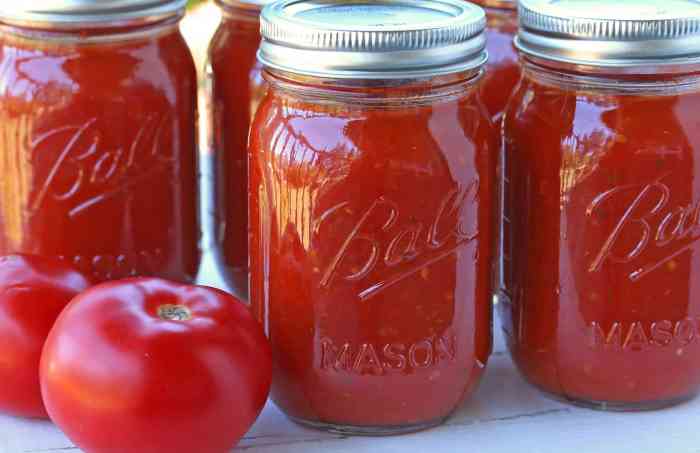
[87,13]
[373,39]
[604,33]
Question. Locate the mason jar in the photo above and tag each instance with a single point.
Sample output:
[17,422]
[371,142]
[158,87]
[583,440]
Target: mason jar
[601,301]
[97,136]
[372,194]
[237,87]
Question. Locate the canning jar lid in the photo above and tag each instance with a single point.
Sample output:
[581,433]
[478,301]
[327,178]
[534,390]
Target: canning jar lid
[87,13]
[621,33]
[373,39]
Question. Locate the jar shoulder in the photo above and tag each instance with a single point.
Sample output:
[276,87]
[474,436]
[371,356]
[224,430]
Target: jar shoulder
[54,73]
[590,117]
[400,129]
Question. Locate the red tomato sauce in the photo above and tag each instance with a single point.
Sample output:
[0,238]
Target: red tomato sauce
[98,150]
[602,220]
[237,89]
[371,248]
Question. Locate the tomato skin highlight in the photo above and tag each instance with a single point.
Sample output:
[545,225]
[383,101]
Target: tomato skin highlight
[33,292]
[145,365]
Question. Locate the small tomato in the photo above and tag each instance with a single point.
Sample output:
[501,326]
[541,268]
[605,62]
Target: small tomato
[145,365]
[33,291]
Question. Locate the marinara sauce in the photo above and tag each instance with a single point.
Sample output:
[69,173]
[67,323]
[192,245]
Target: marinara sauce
[503,67]
[237,87]
[601,268]
[372,176]
[97,137]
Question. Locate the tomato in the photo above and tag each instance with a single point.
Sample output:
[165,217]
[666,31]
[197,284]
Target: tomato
[145,365]
[33,291]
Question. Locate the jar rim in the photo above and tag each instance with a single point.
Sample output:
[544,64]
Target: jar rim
[373,92]
[75,37]
[662,67]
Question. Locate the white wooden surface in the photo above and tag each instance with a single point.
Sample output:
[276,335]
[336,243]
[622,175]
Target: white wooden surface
[506,415]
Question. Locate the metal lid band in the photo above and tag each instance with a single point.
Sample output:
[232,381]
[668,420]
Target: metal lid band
[378,39]
[76,14]
[622,34]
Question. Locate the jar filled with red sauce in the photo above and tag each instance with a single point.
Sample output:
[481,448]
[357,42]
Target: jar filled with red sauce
[601,268]
[97,136]
[372,174]
[503,68]
[237,87]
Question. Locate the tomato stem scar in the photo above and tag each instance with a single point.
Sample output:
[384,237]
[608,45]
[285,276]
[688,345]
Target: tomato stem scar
[171,312]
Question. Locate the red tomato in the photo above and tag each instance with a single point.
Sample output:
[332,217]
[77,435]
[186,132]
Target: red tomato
[33,291]
[148,366]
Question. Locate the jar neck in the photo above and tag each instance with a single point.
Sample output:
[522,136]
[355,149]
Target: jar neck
[240,12]
[503,5]
[370,91]
[87,35]
[502,19]
[576,77]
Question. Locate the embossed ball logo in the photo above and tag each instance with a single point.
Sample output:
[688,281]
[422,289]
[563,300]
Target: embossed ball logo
[84,169]
[651,221]
[409,245]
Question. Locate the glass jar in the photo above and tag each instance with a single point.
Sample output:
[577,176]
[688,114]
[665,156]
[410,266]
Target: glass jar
[601,269]
[503,67]
[372,175]
[97,137]
[236,91]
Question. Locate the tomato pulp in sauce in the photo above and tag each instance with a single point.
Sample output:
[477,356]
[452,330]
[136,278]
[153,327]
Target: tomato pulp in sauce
[97,137]
[371,247]
[237,89]
[603,219]
[503,67]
